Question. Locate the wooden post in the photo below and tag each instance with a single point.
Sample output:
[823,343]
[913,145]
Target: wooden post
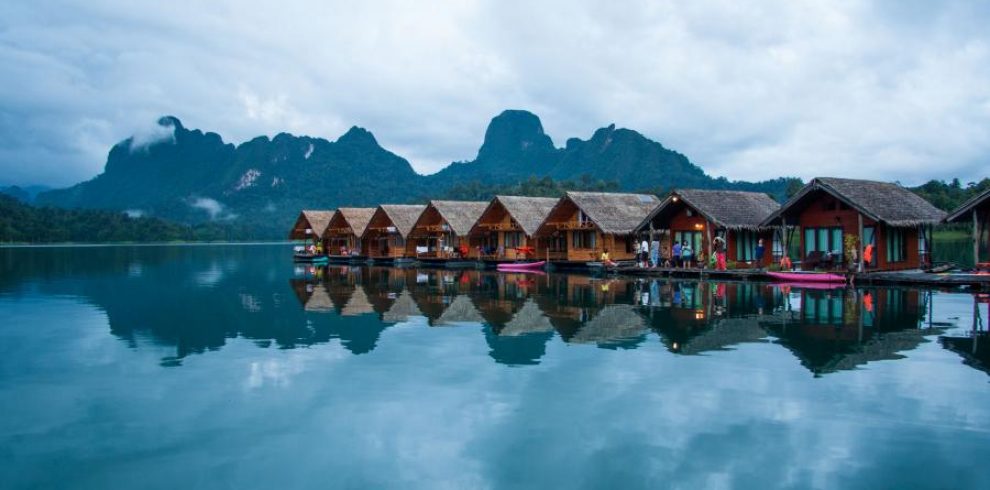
[976,239]
[708,233]
[859,244]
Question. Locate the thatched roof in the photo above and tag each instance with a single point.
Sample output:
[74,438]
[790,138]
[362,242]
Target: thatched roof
[880,201]
[356,218]
[736,210]
[403,216]
[403,308]
[319,301]
[529,319]
[317,219]
[460,311]
[357,304]
[724,334]
[528,212]
[614,213]
[614,323]
[460,215]
[962,213]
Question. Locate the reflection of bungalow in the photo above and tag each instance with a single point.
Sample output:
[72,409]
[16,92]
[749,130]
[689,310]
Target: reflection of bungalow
[403,308]
[584,224]
[345,229]
[310,225]
[442,229]
[838,330]
[896,221]
[385,236]
[460,311]
[507,225]
[357,304]
[697,216]
[973,348]
[529,319]
[613,326]
[977,211]
[319,300]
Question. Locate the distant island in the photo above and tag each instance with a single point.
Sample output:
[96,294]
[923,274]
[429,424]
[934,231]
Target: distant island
[190,184]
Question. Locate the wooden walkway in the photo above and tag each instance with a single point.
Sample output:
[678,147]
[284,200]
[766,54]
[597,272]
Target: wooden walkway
[906,278]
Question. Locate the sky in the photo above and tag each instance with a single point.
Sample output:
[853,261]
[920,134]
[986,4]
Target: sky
[896,90]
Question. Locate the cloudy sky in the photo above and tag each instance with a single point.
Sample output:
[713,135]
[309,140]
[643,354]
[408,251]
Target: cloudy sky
[895,90]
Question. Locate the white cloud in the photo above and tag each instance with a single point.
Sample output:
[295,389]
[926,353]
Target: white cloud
[893,90]
[214,208]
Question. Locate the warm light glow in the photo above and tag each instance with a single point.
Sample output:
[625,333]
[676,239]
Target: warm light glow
[698,226]
[699,315]
[675,199]
[675,346]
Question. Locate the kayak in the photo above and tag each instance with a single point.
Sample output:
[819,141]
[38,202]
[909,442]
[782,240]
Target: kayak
[521,266]
[796,276]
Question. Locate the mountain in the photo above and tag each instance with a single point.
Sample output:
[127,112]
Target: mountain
[24,194]
[194,177]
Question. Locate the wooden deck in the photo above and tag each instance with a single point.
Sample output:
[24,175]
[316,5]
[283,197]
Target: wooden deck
[905,278]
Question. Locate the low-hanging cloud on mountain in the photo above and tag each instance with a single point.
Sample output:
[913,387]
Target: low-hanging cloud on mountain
[889,90]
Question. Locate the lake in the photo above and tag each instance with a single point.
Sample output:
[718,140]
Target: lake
[230,367]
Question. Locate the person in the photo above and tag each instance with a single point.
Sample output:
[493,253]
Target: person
[644,252]
[868,255]
[785,263]
[759,253]
[686,254]
[720,253]
[606,259]
[655,253]
[319,248]
[464,250]
[676,255]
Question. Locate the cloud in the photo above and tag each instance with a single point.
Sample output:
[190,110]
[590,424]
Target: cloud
[890,90]
[214,208]
[150,135]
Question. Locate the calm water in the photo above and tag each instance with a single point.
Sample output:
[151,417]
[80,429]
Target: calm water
[228,367]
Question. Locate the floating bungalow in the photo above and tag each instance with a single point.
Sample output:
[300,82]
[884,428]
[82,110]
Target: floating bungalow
[385,236]
[505,230]
[310,226]
[443,228]
[895,221]
[977,211]
[698,216]
[344,231]
[582,225]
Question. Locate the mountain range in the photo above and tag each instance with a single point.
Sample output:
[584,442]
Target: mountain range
[192,176]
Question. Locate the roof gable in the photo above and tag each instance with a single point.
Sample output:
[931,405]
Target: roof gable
[613,212]
[460,215]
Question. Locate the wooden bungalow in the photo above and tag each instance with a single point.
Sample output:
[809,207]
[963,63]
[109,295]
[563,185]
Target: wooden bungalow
[505,229]
[345,229]
[977,211]
[388,229]
[698,216]
[895,221]
[310,225]
[584,224]
[442,230]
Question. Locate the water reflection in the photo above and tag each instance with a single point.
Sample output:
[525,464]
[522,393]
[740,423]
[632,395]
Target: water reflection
[193,299]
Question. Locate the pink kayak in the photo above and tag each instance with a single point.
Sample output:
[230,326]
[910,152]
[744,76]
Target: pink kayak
[796,276]
[521,266]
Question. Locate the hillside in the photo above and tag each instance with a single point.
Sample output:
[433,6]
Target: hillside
[193,176]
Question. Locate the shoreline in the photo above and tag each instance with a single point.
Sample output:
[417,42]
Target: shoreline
[142,244]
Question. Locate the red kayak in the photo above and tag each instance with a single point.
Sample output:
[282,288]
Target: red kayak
[796,276]
[521,266]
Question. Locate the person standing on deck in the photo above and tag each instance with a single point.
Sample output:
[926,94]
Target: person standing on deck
[655,252]
[676,255]
[686,254]
[868,255]
[644,252]
[759,253]
[719,243]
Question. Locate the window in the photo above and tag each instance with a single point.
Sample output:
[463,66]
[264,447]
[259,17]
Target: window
[745,245]
[822,308]
[513,239]
[896,245]
[583,218]
[823,240]
[777,247]
[584,239]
